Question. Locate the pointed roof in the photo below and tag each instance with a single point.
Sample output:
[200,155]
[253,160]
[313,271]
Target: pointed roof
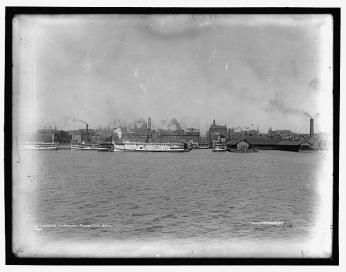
[236,141]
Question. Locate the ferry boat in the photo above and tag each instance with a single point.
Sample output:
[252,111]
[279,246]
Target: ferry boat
[151,147]
[39,146]
[219,146]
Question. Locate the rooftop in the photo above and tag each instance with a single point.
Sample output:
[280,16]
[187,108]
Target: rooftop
[256,140]
[293,143]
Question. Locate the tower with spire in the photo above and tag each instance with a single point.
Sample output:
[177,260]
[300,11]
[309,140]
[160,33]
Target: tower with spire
[149,123]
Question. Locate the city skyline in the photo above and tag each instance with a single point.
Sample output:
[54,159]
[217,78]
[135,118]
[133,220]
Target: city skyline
[172,125]
[272,71]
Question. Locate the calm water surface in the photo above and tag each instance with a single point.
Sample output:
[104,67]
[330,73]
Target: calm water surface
[196,195]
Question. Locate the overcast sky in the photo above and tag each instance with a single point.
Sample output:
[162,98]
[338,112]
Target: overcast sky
[267,70]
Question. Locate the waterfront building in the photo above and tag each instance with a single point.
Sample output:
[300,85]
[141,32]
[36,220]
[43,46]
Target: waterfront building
[235,134]
[295,145]
[192,135]
[280,134]
[41,136]
[262,142]
[135,135]
[138,133]
[76,138]
[238,144]
[46,136]
[82,136]
[216,133]
[167,136]
[64,137]
[145,134]
[251,132]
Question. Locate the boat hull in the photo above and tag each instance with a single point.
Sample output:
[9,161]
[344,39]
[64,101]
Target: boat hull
[203,147]
[105,147]
[218,150]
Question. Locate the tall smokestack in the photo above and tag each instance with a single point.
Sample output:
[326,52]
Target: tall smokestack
[311,128]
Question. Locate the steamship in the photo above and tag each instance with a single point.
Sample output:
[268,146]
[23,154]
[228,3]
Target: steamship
[151,147]
[219,146]
[39,146]
[125,145]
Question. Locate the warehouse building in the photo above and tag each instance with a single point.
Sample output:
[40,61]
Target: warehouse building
[295,146]
[264,143]
[239,144]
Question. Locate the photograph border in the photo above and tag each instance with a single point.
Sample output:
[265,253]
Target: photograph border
[12,259]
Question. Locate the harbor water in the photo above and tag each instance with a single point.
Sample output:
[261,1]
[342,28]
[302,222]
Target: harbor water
[198,195]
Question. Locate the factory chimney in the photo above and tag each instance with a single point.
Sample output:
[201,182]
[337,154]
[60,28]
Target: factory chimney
[311,128]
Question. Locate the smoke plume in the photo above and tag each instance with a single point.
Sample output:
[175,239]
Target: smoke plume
[78,120]
[139,123]
[174,125]
[277,105]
